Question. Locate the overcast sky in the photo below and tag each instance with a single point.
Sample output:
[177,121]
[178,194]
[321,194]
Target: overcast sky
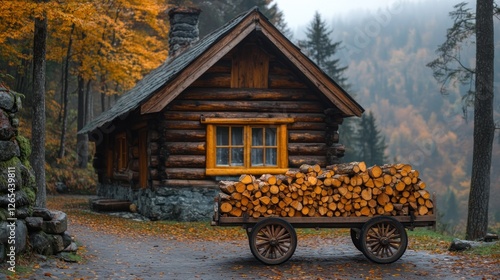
[298,13]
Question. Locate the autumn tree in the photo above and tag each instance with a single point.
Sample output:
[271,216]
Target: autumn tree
[106,47]
[448,68]
[93,47]
[16,44]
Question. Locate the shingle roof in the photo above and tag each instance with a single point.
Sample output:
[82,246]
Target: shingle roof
[160,76]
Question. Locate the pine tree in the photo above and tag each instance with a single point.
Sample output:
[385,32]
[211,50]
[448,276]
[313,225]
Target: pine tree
[320,48]
[451,215]
[216,13]
[369,142]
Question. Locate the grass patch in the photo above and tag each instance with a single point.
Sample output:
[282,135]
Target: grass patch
[492,250]
[71,257]
[428,240]
[25,264]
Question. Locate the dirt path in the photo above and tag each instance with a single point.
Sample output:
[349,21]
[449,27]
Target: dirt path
[138,257]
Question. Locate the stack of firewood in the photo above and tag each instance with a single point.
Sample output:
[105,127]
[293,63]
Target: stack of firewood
[341,190]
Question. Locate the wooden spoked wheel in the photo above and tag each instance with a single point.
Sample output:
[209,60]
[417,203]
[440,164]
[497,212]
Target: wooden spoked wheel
[273,241]
[355,237]
[383,240]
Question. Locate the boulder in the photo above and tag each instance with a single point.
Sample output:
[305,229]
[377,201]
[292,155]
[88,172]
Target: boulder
[21,199]
[9,150]
[57,243]
[57,225]
[7,100]
[34,223]
[41,243]
[6,129]
[4,232]
[21,233]
[2,253]
[459,245]
[21,236]
[462,245]
[67,239]
[23,212]
[43,213]
[71,248]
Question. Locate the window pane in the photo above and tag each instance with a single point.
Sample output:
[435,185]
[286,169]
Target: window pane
[222,136]
[257,136]
[271,137]
[271,155]
[237,157]
[257,157]
[237,136]
[222,156]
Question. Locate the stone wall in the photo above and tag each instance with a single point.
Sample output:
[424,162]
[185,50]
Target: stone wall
[20,222]
[164,203]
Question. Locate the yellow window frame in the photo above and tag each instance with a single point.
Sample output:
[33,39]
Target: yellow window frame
[247,123]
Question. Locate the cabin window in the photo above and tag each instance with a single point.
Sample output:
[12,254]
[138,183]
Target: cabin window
[121,152]
[250,146]
[264,146]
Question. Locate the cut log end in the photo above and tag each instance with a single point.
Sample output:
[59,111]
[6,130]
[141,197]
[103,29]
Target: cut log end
[342,190]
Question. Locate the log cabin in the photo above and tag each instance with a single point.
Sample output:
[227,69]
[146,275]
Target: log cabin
[244,99]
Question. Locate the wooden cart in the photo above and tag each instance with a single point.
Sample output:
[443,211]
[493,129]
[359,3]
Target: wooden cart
[382,239]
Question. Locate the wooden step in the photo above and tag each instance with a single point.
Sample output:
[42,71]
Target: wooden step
[110,205]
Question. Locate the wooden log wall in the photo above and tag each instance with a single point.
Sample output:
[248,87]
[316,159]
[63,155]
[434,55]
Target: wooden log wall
[130,176]
[183,136]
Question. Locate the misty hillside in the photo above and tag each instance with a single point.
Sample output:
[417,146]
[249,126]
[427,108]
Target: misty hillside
[387,52]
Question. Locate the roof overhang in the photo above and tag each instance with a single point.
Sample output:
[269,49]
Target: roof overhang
[255,21]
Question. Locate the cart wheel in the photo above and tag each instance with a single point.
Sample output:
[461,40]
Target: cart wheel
[383,240]
[273,241]
[355,235]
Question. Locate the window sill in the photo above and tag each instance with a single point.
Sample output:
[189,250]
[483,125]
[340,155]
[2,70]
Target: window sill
[239,171]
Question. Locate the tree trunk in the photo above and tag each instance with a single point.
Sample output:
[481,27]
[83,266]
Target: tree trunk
[82,140]
[64,104]
[88,103]
[38,123]
[484,126]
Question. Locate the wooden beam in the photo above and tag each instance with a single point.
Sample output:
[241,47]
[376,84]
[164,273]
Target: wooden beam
[247,120]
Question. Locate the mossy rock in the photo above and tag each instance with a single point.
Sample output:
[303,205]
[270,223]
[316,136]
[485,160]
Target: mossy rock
[4,214]
[24,147]
[31,195]
[28,177]
[19,103]
[4,167]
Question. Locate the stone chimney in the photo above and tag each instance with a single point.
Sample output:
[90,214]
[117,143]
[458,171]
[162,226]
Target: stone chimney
[183,28]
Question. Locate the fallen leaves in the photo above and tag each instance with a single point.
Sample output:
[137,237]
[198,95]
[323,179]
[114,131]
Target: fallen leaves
[428,246]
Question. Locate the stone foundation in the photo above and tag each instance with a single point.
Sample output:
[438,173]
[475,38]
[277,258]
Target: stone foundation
[177,204]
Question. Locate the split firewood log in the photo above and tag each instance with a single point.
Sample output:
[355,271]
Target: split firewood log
[343,190]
